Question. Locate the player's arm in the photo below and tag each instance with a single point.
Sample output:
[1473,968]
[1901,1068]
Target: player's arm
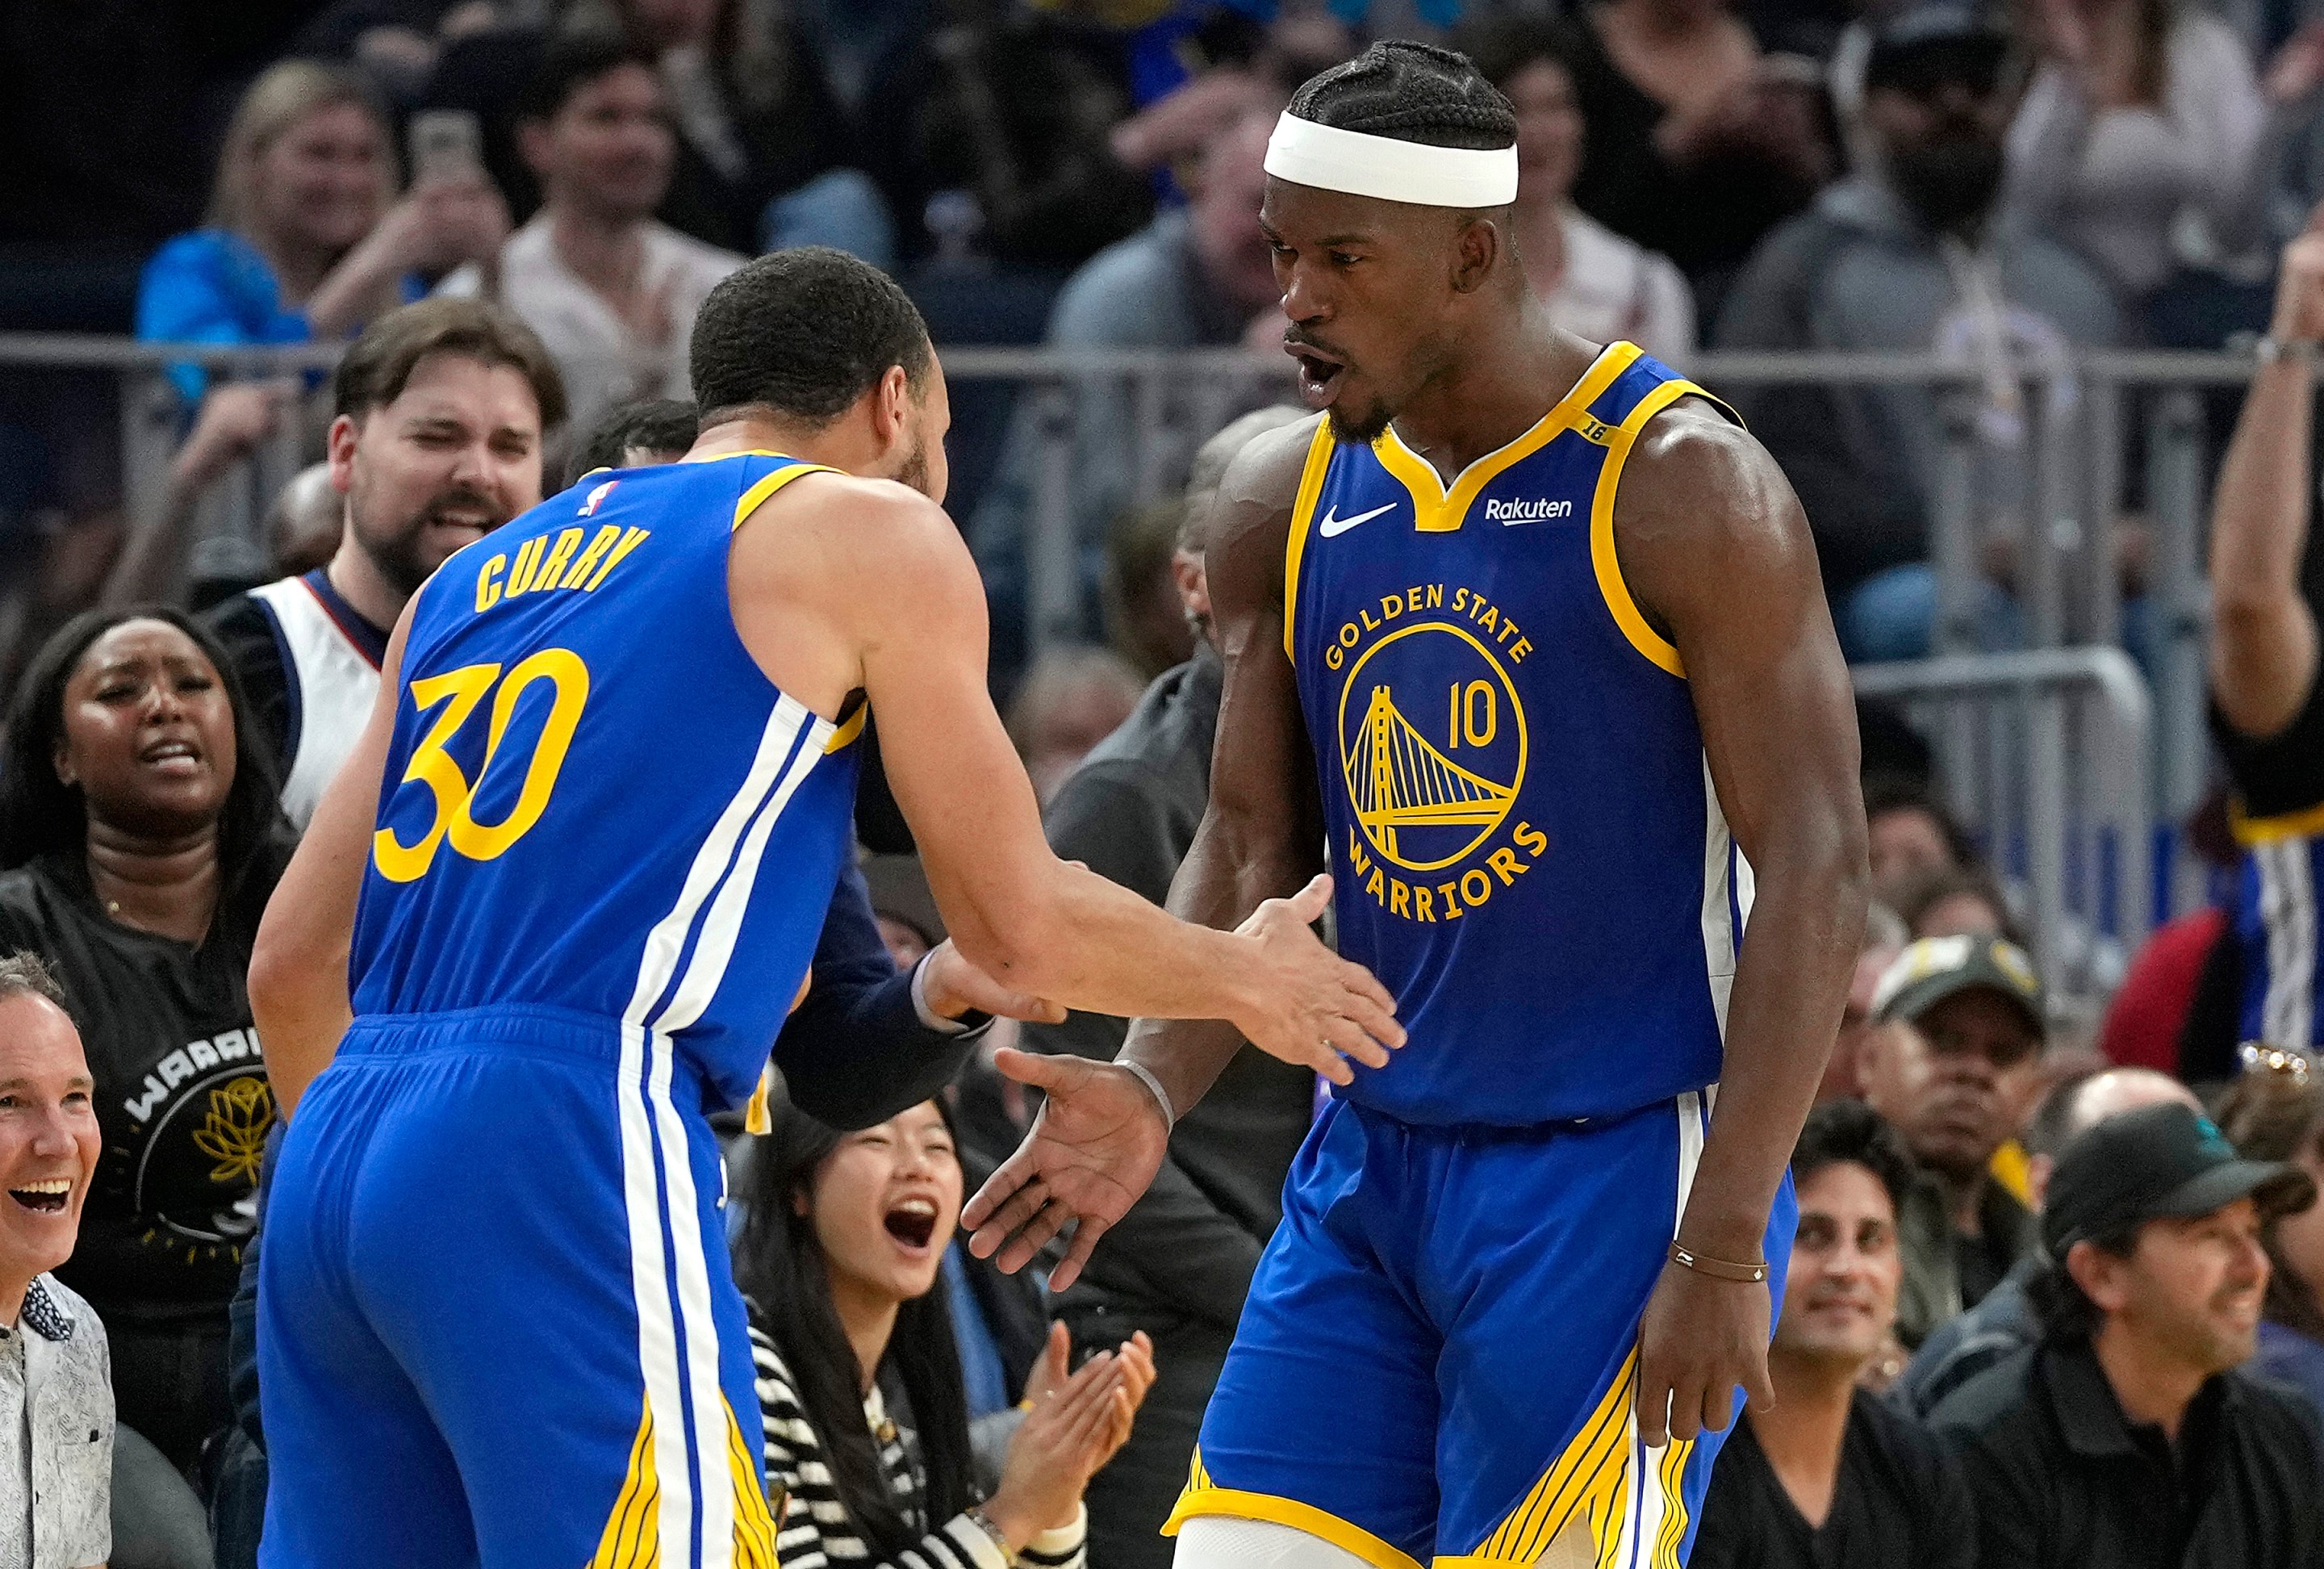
[1714,546]
[1262,835]
[908,597]
[2263,633]
[1100,1138]
[298,967]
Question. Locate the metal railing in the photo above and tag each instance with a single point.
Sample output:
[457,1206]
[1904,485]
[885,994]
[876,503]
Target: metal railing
[2045,753]
[1159,406]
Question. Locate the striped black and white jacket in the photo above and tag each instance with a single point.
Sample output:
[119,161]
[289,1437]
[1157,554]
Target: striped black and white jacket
[814,1531]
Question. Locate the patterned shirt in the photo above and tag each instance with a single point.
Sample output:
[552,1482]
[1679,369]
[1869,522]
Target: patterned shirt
[815,1530]
[56,1434]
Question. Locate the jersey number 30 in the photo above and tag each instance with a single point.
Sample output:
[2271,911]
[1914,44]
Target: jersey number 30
[462,692]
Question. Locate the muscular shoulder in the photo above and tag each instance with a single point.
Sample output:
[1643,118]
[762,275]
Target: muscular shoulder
[1244,537]
[849,531]
[1699,496]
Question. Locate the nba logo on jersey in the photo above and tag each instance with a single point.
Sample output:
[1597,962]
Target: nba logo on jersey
[600,494]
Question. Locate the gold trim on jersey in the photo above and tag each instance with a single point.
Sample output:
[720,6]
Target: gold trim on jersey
[849,729]
[632,1534]
[1618,442]
[1437,511]
[1588,1487]
[767,485]
[1320,448]
[2305,823]
[756,1519]
[632,1537]
[1202,1497]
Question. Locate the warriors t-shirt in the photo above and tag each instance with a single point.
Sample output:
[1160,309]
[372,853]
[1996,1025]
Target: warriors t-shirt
[181,1095]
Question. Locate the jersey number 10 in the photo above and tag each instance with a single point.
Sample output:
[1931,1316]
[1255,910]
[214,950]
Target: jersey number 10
[462,692]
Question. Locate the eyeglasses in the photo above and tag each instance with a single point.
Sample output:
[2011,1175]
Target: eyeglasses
[2258,1057]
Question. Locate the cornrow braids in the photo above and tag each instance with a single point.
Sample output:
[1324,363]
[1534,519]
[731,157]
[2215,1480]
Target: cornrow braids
[1411,92]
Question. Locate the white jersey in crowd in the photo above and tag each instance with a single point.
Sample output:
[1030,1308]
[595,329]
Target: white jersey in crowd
[333,679]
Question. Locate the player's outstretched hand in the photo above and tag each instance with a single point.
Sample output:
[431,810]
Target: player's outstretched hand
[953,986]
[1701,1337]
[1095,1145]
[1315,1009]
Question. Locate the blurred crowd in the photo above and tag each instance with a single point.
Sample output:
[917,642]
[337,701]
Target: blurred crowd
[1995,183]
[2058,1292]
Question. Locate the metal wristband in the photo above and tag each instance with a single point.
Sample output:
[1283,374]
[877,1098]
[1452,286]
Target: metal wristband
[1161,1096]
[1717,1268]
[2272,350]
[975,1516]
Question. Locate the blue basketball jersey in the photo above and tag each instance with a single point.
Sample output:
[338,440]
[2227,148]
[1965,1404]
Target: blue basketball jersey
[2274,917]
[594,800]
[1526,843]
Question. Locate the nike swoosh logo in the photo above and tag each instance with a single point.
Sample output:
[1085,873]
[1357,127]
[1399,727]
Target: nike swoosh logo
[1333,524]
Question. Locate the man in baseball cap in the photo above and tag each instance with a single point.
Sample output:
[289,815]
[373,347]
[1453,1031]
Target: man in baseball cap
[2125,1437]
[1958,1020]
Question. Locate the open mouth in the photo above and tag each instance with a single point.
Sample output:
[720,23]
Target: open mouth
[44,1197]
[1319,373]
[174,754]
[912,1222]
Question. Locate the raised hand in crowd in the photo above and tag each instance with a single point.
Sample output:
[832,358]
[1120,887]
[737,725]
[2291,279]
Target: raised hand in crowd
[448,220]
[2297,69]
[1073,1424]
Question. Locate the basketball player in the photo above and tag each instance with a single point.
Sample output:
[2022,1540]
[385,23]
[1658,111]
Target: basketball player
[1550,624]
[594,822]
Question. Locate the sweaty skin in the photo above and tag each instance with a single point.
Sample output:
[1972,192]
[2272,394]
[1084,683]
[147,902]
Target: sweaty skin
[1423,314]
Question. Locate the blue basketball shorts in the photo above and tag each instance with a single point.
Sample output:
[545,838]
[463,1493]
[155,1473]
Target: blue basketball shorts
[1438,1361]
[496,1323]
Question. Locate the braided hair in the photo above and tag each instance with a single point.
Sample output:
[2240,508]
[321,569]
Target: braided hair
[1411,92]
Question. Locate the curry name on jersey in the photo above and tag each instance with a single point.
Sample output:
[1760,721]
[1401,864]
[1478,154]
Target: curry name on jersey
[595,799]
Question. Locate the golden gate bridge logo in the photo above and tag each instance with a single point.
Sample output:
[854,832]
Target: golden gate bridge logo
[1417,802]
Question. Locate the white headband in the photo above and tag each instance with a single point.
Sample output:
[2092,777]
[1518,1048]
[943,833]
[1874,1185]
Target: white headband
[1330,159]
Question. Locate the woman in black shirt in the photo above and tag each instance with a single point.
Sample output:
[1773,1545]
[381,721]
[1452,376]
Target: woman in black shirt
[140,836]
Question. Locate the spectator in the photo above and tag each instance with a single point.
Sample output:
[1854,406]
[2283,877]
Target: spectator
[396,42]
[2003,1323]
[1910,255]
[2155,1006]
[229,426]
[55,1395]
[2125,1437]
[840,1259]
[636,436]
[137,824]
[1008,150]
[1911,832]
[1069,701]
[2275,1111]
[612,292]
[2266,714]
[307,240]
[1177,1266]
[1199,276]
[762,135]
[1957,1017]
[1593,282]
[2136,137]
[304,523]
[442,407]
[1830,1473]
[1145,618]
[1943,901]
[1885,937]
[1695,144]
